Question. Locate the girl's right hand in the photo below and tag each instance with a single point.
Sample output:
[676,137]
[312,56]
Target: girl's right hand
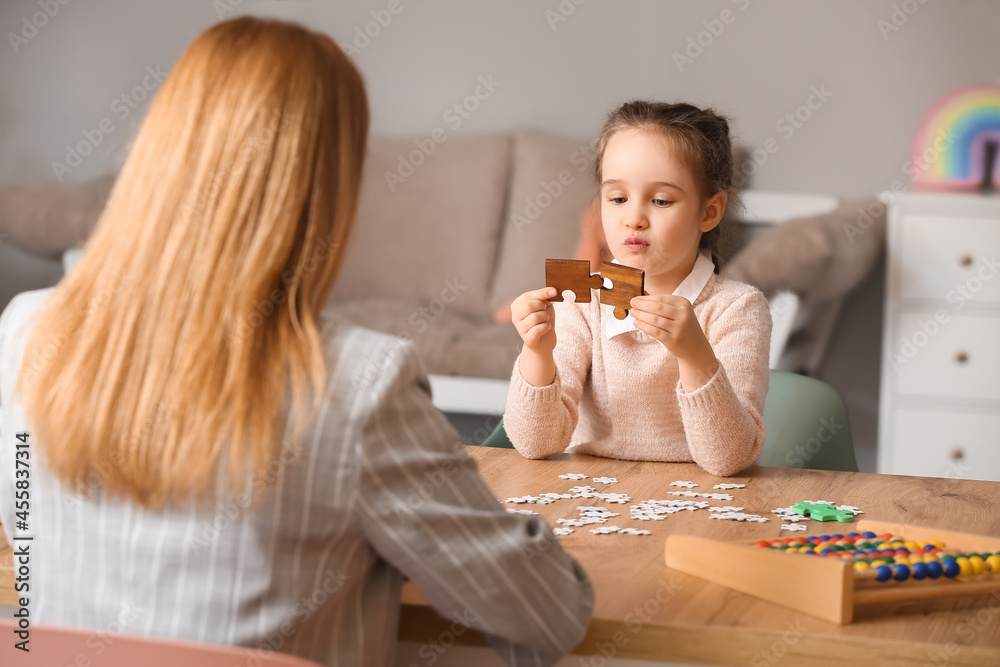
[535,319]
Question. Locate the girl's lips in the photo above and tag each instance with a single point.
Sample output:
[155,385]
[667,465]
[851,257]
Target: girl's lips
[633,243]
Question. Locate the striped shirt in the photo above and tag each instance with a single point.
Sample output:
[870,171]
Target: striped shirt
[379,487]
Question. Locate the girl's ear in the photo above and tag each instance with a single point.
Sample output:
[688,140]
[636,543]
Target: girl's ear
[712,213]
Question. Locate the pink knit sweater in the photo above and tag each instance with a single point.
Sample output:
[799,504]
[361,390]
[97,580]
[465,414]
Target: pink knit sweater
[622,397]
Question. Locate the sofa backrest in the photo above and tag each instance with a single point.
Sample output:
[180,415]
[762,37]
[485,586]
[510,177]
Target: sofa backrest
[429,220]
[551,186]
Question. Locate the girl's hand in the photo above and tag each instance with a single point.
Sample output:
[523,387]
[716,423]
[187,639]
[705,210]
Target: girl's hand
[671,320]
[535,320]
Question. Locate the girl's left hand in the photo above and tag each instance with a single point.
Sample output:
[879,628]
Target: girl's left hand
[671,320]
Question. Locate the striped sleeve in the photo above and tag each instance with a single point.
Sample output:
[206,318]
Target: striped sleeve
[427,511]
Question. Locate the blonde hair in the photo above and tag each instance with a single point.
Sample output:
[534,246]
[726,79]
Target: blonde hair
[172,344]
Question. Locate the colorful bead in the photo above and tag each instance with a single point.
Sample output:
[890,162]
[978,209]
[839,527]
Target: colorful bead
[964,566]
[919,570]
[994,563]
[950,568]
[978,564]
[902,572]
[884,572]
[934,569]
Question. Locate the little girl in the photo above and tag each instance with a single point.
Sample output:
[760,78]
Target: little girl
[685,375]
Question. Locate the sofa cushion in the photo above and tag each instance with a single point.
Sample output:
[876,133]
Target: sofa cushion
[429,217]
[551,186]
[448,341]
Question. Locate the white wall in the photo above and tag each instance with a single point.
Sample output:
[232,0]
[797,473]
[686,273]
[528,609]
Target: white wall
[429,56]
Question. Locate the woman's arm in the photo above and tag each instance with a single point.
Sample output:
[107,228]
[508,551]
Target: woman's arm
[427,512]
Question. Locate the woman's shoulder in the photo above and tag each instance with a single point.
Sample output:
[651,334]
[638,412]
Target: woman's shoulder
[21,308]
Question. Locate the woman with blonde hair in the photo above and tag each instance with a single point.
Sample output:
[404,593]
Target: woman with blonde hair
[209,458]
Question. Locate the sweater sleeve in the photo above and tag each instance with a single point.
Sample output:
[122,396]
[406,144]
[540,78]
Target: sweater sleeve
[540,421]
[723,419]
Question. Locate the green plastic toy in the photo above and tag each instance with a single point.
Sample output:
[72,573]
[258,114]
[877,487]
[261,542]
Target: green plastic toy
[822,512]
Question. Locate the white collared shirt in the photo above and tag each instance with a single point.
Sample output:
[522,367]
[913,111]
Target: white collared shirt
[689,288]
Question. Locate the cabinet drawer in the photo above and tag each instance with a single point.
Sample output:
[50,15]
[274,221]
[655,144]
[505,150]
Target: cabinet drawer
[931,443]
[951,356]
[940,258]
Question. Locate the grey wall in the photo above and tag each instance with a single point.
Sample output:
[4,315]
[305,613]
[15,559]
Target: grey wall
[561,64]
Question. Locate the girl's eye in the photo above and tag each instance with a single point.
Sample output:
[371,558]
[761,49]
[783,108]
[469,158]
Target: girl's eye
[618,200]
[661,202]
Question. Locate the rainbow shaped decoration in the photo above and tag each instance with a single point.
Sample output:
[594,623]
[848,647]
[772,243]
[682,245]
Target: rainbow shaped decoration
[956,147]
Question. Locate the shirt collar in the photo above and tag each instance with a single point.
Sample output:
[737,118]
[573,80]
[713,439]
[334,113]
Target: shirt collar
[689,288]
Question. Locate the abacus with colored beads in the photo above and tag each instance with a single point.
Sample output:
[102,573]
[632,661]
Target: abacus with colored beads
[835,574]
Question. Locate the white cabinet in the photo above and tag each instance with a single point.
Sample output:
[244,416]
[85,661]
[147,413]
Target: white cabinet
[939,413]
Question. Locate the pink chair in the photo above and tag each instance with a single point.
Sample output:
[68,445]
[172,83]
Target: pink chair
[71,647]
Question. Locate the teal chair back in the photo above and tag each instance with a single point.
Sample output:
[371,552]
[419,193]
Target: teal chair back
[806,426]
[805,422]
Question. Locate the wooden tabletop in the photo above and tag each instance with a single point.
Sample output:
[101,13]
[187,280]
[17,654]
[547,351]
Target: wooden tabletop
[646,611]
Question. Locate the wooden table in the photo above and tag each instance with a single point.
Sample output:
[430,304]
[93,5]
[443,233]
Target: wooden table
[646,611]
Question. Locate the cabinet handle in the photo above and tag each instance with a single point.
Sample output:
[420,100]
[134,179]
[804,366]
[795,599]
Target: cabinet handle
[957,454]
[961,357]
[965,260]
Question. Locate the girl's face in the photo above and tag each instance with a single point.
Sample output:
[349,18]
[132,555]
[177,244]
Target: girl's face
[651,210]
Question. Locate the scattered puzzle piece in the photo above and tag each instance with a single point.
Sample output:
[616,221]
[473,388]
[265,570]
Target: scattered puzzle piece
[686,485]
[792,526]
[562,531]
[823,512]
[573,275]
[726,487]
[604,480]
[573,475]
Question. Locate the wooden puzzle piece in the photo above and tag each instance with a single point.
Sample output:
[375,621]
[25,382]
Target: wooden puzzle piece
[571,274]
[626,283]
[819,512]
